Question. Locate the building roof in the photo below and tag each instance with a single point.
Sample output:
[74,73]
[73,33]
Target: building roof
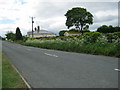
[74,32]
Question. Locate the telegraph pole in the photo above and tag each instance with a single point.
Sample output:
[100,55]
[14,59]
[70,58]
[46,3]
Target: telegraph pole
[119,14]
[32,25]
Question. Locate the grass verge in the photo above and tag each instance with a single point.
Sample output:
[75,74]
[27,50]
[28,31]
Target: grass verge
[10,78]
[107,49]
[0,69]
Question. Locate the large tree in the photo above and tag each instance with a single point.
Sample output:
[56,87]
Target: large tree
[18,34]
[78,17]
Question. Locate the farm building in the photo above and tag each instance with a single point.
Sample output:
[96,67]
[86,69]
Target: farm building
[72,33]
[38,33]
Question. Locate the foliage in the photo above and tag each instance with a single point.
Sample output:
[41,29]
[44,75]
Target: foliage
[113,36]
[73,30]
[10,78]
[86,28]
[91,37]
[89,42]
[25,38]
[78,17]
[108,29]
[10,36]
[15,36]
[1,38]
[18,34]
[61,33]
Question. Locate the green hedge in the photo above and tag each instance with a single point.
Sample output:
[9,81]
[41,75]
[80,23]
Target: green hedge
[89,42]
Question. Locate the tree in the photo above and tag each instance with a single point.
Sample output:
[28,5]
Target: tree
[10,36]
[103,29]
[18,34]
[78,17]
[73,30]
[86,28]
[117,29]
[61,33]
[2,38]
[108,29]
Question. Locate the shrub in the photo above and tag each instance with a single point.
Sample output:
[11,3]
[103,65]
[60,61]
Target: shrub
[91,37]
[90,42]
[112,37]
[61,33]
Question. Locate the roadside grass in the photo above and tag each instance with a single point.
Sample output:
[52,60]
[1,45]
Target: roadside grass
[90,43]
[10,78]
[0,69]
[108,49]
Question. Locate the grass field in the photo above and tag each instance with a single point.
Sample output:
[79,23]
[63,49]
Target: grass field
[10,78]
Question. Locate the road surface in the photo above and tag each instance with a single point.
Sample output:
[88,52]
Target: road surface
[43,68]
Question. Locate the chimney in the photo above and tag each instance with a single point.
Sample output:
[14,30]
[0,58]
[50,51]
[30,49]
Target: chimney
[35,29]
[38,28]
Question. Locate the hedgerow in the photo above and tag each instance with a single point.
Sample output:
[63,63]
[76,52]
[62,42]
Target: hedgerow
[89,42]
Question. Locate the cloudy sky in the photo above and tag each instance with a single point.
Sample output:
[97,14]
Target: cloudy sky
[49,14]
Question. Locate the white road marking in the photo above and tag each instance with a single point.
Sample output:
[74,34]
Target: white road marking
[117,69]
[29,49]
[18,47]
[51,55]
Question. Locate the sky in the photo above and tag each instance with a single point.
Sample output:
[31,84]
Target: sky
[49,14]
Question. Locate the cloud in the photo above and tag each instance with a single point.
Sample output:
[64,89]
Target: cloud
[49,14]
[54,24]
[107,15]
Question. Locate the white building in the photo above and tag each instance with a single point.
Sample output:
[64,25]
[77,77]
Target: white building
[40,33]
[72,33]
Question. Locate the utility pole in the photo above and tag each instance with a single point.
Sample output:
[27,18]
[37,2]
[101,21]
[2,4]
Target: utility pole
[119,14]
[32,25]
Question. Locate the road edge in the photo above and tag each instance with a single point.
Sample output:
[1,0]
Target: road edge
[29,87]
[24,80]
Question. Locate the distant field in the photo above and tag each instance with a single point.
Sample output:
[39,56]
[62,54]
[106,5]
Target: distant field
[10,78]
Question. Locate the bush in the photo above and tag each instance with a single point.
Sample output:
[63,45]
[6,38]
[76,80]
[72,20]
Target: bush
[89,42]
[61,33]
[91,37]
[112,37]
[108,29]
[25,38]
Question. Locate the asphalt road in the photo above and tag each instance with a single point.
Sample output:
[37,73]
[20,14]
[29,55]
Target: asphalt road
[44,68]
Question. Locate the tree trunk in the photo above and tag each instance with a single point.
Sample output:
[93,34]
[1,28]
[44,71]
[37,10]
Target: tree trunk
[78,29]
[82,29]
